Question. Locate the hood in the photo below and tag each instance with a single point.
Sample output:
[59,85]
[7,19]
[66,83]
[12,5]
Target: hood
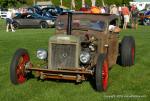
[61,38]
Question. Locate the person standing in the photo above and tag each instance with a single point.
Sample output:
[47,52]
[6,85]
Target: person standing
[114,10]
[9,21]
[126,16]
[103,10]
[107,10]
[134,16]
[120,16]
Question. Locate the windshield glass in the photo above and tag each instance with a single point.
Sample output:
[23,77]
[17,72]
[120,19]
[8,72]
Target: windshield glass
[83,24]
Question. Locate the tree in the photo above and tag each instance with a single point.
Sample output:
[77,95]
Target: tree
[11,3]
[77,3]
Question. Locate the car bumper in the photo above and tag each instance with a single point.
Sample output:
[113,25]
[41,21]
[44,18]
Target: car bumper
[50,22]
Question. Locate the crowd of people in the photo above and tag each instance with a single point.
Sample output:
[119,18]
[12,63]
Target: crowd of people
[125,14]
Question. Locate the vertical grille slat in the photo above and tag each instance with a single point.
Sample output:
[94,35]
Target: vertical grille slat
[63,55]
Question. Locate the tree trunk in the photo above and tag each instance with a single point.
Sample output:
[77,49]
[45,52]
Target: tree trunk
[93,2]
[103,3]
[83,3]
[61,3]
[34,2]
[73,4]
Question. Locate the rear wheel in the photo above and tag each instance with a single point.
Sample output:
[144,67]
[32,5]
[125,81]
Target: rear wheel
[15,25]
[101,74]
[146,21]
[127,51]
[43,25]
[18,74]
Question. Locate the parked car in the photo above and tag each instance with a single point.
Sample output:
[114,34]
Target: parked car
[32,20]
[3,13]
[48,11]
[53,10]
[145,17]
[35,9]
[81,47]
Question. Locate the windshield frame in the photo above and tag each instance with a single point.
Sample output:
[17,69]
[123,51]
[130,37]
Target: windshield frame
[82,24]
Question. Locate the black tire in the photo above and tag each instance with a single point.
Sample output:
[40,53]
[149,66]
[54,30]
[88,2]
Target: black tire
[127,52]
[18,75]
[15,25]
[101,77]
[43,25]
[146,21]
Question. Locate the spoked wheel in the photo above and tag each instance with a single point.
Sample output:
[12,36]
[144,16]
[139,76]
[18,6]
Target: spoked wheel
[101,74]
[18,74]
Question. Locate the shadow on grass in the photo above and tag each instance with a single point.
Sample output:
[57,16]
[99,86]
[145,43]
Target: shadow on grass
[30,76]
[92,82]
[119,57]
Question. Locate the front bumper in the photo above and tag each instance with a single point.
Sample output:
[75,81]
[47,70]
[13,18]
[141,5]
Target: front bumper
[50,22]
[77,75]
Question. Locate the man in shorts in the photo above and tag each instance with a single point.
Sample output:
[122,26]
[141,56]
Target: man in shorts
[134,16]
[126,16]
[9,22]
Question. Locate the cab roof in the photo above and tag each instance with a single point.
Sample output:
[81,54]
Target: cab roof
[80,15]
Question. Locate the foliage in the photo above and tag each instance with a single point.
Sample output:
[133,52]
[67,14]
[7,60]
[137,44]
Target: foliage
[11,3]
[98,2]
[67,3]
[29,2]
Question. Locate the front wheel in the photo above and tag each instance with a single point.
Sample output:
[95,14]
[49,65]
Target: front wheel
[146,21]
[18,74]
[43,25]
[101,74]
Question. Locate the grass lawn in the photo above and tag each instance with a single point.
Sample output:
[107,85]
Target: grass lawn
[125,84]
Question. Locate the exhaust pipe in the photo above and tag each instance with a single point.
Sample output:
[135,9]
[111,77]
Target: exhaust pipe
[69,24]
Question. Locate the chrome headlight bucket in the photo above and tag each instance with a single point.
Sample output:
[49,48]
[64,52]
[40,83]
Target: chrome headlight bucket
[85,57]
[41,54]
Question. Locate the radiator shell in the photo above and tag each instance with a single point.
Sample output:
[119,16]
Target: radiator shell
[61,54]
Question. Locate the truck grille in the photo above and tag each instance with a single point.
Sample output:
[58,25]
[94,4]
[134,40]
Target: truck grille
[63,55]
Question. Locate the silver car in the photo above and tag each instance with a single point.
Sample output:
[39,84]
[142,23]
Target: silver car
[30,20]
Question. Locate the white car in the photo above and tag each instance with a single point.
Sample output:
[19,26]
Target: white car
[3,13]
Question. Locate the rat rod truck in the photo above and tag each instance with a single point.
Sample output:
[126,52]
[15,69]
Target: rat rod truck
[81,47]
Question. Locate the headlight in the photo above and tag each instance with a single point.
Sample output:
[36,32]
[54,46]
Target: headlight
[92,47]
[85,57]
[41,54]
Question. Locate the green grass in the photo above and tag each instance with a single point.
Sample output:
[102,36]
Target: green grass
[134,81]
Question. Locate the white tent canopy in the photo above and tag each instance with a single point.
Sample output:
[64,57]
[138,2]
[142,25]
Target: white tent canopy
[140,5]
